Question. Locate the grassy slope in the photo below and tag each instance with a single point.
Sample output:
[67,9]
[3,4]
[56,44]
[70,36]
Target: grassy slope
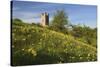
[38,45]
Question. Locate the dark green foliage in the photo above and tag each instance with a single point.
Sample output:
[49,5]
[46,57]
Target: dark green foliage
[33,44]
[85,34]
[17,20]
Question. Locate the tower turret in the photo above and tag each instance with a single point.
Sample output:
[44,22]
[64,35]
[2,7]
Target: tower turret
[44,19]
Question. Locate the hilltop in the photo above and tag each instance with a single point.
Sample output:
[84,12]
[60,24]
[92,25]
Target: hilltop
[34,44]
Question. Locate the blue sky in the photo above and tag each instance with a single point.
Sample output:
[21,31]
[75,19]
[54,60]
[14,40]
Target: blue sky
[78,14]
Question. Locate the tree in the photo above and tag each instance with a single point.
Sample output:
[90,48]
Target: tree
[85,34]
[17,21]
[59,20]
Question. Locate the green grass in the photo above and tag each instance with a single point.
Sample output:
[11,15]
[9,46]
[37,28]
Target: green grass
[33,44]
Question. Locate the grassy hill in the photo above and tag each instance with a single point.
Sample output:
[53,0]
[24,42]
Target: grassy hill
[33,44]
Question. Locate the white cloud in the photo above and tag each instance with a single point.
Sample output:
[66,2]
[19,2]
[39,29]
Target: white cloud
[15,8]
[27,16]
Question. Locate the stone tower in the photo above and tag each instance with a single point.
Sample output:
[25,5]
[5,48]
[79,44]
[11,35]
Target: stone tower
[44,19]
